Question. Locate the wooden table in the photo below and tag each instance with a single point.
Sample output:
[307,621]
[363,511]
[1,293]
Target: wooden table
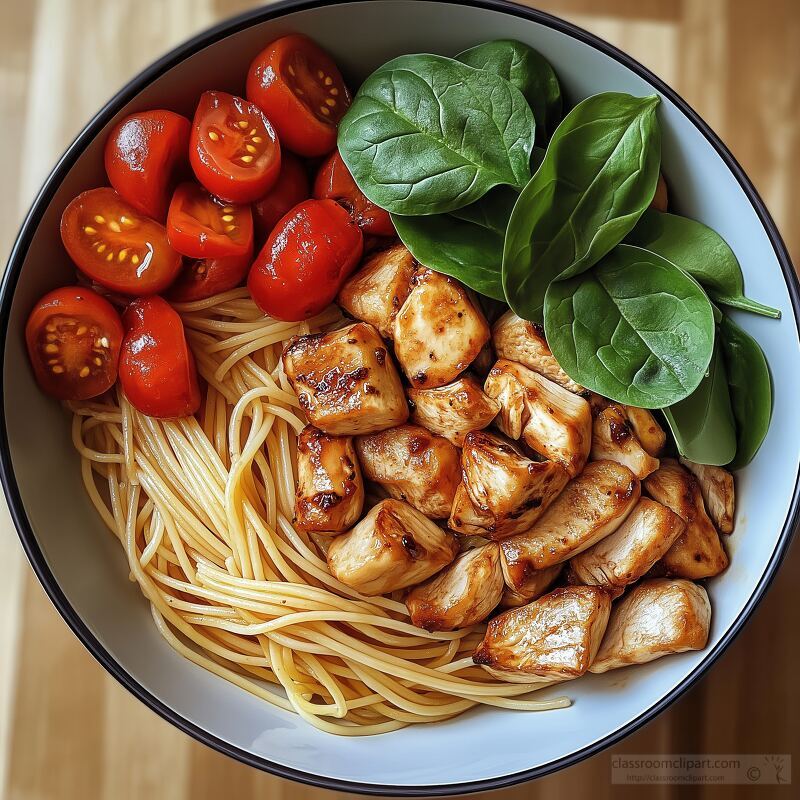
[70,732]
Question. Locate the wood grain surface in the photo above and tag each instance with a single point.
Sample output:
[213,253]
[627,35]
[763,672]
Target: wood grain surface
[70,732]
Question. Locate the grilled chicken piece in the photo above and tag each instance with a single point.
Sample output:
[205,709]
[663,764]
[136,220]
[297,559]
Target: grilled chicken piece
[627,554]
[501,491]
[656,618]
[414,465]
[697,552]
[613,438]
[716,486]
[393,547]
[555,637]
[649,433]
[462,594]
[550,420]
[330,490]
[516,339]
[592,506]
[534,587]
[346,381]
[378,290]
[453,410]
[439,331]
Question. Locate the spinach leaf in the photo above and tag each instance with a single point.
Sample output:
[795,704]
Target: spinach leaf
[598,176]
[466,244]
[529,71]
[700,251]
[750,387]
[427,134]
[703,423]
[633,328]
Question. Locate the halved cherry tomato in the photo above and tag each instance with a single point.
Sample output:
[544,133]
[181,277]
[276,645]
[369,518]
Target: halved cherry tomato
[234,150]
[335,182]
[73,337]
[143,154]
[200,226]
[116,246]
[305,260]
[209,276]
[290,189]
[156,366]
[298,86]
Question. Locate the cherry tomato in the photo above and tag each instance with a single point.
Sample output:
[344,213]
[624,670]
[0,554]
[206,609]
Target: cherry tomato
[298,86]
[156,366]
[143,154]
[305,260]
[206,277]
[73,337]
[290,189]
[335,182]
[233,150]
[116,246]
[200,226]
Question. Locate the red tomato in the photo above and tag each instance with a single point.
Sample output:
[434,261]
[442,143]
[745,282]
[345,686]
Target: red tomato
[298,86]
[200,226]
[143,153]
[306,259]
[209,276]
[290,189]
[156,367]
[233,150]
[335,182]
[116,246]
[73,337]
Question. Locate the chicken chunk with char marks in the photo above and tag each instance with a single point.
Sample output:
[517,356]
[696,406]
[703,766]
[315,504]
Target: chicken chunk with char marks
[657,617]
[413,465]
[330,489]
[556,637]
[502,491]
[346,381]
[462,594]
[592,506]
[453,410]
[393,547]
[551,420]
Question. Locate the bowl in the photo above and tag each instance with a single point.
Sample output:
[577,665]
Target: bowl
[83,570]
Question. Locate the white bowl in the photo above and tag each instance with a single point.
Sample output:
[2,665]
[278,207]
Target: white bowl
[84,571]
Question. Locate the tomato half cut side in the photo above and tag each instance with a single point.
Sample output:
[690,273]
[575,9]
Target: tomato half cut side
[201,226]
[335,182]
[291,188]
[299,87]
[156,366]
[116,246]
[203,278]
[145,154]
[73,337]
[234,150]
[305,261]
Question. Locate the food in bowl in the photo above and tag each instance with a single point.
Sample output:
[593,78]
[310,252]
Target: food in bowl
[402,478]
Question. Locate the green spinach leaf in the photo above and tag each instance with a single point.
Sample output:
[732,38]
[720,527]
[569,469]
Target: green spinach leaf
[700,251]
[466,244]
[703,423]
[598,176]
[529,71]
[634,328]
[427,134]
[750,388]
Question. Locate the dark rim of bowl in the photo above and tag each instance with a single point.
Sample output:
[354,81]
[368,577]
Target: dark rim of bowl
[28,537]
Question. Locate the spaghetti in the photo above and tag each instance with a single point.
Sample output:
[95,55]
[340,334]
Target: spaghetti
[203,507]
